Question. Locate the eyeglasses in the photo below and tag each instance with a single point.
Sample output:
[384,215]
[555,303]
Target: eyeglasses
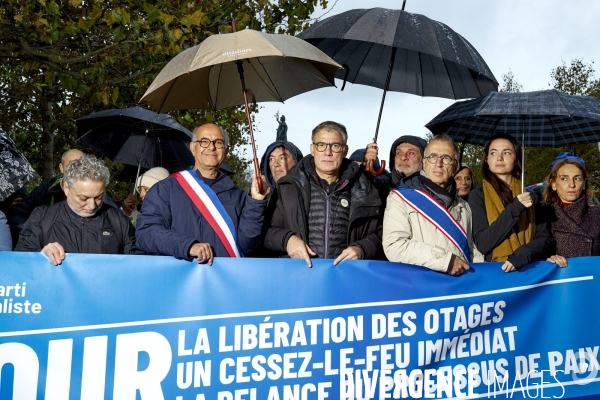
[433,158]
[335,147]
[204,142]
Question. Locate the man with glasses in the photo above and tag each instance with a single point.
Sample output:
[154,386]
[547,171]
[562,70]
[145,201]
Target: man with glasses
[326,206]
[199,213]
[426,222]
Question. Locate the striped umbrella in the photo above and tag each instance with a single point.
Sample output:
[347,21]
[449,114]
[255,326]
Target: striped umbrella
[546,118]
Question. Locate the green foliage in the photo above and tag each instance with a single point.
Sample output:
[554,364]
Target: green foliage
[510,84]
[577,78]
[61,60]
[472,155]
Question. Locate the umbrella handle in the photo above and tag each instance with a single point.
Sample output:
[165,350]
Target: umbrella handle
[370,168]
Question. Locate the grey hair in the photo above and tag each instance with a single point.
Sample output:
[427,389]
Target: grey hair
[223,131]
[86,168]
[331,126]
[444,137]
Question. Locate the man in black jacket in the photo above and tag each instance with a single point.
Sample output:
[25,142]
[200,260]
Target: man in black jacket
[83,223]
[45,194]
[326,206]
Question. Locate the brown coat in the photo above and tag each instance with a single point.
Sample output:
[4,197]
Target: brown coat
[576,229]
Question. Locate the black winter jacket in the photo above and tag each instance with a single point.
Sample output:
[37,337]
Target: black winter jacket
[486,237]
[95,235]
[296,201]
[47,193]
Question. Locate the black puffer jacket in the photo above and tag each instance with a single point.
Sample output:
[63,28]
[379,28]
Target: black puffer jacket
[301,209]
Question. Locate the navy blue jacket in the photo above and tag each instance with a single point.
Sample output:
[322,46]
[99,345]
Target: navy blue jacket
[169,223]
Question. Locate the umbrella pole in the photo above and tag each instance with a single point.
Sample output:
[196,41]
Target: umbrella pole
[385,89]
[140,163]
[256,166]
[523,157]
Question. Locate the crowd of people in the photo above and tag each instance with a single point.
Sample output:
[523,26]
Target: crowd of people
[425,211]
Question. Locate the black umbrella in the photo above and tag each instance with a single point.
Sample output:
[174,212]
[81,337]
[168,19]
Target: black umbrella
[402,52]
[139,137]
[15,170]
[546,118]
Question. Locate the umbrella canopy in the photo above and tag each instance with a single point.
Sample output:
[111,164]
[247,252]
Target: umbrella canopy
[15,170]
[402,52]
[427,57]
[266,67]
[206,76]
[139,137]
[546,118]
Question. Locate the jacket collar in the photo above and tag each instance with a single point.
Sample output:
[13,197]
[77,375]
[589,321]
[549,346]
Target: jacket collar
[572,217]
[305,170]
[418,180]
[221,183]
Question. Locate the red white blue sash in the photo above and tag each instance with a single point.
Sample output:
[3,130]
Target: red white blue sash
[211,208]
[430,209]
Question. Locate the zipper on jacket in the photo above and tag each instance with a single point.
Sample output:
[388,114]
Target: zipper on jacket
[326,247]
[82,235]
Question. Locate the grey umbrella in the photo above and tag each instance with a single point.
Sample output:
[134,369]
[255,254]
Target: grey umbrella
[546,118]
[402,52]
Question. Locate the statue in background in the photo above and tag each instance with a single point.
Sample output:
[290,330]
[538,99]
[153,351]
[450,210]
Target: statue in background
[282,128]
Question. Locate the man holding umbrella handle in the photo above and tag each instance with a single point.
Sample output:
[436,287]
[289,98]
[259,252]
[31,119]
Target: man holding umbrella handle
[199,213]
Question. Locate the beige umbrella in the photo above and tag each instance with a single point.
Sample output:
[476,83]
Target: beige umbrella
[231,69]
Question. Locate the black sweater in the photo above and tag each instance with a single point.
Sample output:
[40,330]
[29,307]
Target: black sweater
[486,237]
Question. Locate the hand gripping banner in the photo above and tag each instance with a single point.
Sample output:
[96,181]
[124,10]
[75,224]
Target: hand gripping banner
[141,327]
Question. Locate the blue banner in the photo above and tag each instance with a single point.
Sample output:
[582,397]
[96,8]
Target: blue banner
[140,327]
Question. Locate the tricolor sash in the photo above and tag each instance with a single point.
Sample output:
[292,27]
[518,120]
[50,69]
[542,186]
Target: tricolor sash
[430,209]
[211,208]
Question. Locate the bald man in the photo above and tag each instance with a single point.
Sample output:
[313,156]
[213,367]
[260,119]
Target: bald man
[199,213]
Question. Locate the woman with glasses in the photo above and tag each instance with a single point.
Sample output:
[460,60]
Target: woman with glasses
[574,219]
[507,226]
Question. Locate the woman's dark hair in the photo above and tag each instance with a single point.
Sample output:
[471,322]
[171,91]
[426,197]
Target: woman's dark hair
[504,191]
[551,196]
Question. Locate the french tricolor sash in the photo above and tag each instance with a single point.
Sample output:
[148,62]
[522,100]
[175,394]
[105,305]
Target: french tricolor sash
[209,205]
[430,209]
